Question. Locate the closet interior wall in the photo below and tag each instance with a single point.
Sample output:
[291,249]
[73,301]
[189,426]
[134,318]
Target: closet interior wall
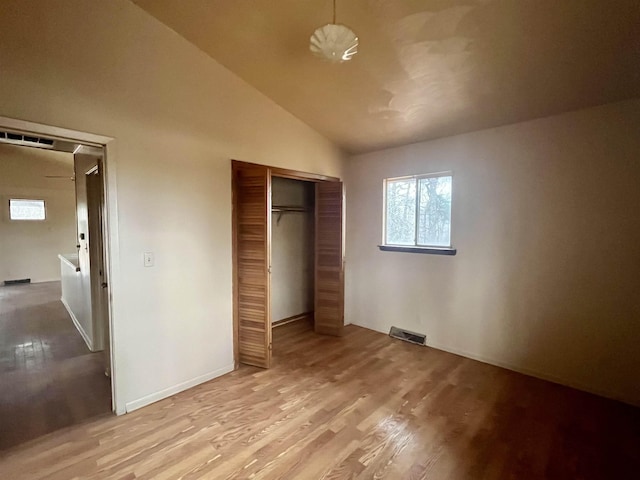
[292,249]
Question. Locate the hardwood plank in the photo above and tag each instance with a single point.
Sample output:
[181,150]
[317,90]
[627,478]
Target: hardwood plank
[48,377]
[359,406]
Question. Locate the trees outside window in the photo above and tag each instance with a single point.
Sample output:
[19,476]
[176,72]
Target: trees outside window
[418,210]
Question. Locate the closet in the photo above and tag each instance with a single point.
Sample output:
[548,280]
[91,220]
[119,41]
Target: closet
[288,249]
[292,255]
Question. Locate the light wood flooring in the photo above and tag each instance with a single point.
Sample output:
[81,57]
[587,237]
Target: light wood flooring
[363,406]
[48,377]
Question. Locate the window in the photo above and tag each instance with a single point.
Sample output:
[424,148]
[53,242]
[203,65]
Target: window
[26,209]
[418,213]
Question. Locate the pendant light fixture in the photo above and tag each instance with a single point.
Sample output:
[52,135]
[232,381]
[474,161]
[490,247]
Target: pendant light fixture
[333,42]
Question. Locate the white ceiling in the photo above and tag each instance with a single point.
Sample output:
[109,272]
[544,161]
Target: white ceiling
[425,68]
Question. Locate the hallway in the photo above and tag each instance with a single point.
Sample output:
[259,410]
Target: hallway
[48,377]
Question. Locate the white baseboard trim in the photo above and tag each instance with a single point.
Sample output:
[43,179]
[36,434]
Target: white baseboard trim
[84,335]
[167,392]
[527,371]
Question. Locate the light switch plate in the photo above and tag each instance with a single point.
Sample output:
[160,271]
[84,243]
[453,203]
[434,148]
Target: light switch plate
[148,259]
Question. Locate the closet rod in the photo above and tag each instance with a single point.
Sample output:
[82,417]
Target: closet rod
[282,209]
[287,208]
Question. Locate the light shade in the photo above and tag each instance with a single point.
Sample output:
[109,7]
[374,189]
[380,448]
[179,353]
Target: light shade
[335,43]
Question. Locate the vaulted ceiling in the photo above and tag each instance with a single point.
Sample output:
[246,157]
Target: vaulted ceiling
[425,68]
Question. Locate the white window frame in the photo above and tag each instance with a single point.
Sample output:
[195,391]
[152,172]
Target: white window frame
[44,207]
[416,245]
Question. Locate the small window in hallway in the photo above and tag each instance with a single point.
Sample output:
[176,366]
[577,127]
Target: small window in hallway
[22,209]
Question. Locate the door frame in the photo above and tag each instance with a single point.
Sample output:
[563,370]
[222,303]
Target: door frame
[99,280]
[111,242]
[274,172]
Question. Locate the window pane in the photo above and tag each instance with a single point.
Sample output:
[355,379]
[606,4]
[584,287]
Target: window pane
[401,212]
[434,215]
[26,209]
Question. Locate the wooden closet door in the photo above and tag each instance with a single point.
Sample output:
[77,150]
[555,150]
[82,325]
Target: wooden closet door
[329,278]
[252,219]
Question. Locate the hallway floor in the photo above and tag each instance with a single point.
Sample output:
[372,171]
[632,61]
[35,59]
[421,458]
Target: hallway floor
[48,377]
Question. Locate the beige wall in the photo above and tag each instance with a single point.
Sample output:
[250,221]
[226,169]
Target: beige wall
[178,117]
[292,261]
[29,249]
[545,220]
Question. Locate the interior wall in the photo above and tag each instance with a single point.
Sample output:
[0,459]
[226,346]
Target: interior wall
[545,220]
[29,249]
[74,299]
[292,249]
[178,118]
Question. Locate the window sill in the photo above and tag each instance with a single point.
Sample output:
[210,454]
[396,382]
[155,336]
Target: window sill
[427,250]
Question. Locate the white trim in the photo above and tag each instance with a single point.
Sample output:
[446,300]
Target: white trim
[444,173]
[64,258]
[57,133]
[111,246]
[84,335]
[46,280]
[167,392]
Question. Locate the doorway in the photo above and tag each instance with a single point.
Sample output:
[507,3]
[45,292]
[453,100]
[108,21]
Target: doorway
[54,334]
[254,212]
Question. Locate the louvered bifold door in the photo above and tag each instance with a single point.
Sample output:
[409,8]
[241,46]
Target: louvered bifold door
[329,278]
[252,221]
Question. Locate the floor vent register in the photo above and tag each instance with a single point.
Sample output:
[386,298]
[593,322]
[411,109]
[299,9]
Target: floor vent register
[407,336]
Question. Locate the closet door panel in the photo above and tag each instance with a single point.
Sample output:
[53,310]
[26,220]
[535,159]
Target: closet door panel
[329,279]
[252,230]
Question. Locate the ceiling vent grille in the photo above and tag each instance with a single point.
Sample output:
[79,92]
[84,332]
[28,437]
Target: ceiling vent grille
[27,140]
